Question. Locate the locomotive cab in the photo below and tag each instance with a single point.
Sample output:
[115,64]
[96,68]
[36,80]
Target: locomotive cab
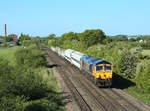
[103,74]
[104,71]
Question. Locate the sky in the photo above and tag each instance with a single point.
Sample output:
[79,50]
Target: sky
[44,17]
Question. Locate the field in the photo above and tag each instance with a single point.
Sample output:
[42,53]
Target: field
[8,53]
[146,52]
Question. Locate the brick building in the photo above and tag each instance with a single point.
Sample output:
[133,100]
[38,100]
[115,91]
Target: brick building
[14,36]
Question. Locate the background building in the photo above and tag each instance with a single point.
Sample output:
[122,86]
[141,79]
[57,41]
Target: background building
[14,36]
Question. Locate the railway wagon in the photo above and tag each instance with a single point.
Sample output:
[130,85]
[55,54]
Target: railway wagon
[67,54]
[99,71]
[76,57]
[58,51]
[53,49]
[61,53]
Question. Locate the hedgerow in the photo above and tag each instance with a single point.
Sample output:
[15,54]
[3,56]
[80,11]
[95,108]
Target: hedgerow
[31,58]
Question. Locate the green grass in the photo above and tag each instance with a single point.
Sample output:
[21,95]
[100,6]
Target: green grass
[50,78]
[52,83]
[134,91]
[146,52]
[138,93]
[8,54]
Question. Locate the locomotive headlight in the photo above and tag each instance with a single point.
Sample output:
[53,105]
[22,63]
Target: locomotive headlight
[97,76]
[109,76]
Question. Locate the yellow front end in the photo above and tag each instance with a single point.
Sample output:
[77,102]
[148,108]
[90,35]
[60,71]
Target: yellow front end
[103,71]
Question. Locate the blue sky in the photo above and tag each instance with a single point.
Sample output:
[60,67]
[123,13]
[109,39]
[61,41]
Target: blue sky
[43,17]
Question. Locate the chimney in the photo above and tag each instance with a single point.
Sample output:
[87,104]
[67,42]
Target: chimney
[5,30]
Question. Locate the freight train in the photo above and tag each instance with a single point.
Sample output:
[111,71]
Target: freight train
[97,70]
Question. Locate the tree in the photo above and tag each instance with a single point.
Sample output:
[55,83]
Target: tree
[128,64]
[69,36]
[139,38]
[108,40]
[32,58]
[24,37]
[51,36]
[9,39]
[132,39]
[120,38]
[2,37]
[92,37]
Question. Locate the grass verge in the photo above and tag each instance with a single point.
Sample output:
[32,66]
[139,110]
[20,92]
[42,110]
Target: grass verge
[8,53]
[137,93]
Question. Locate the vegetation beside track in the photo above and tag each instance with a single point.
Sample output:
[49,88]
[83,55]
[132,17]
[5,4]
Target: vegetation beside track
[27,84]
[8,53]
[130,57]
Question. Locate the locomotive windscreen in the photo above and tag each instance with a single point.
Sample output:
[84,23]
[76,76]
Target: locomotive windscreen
[107,68]
[99,68]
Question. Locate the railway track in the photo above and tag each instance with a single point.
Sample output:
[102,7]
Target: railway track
[75,93]
[109,98]
[88,96]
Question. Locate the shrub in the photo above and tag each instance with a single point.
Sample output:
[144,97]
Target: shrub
[52,103]
[30,84]
[143,76]
[128,64]
[30,58]
[145,45]
[19,81]
[12,103]
[5,68]
[24,82]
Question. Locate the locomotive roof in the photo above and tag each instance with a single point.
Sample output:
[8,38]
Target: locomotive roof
[93,60]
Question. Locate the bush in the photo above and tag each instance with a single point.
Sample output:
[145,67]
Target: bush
[18,81]
[145,45]
[5,68]
[128,64]
[30,58]
[143,76]
[27,83]
[52,103]
[12,103]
